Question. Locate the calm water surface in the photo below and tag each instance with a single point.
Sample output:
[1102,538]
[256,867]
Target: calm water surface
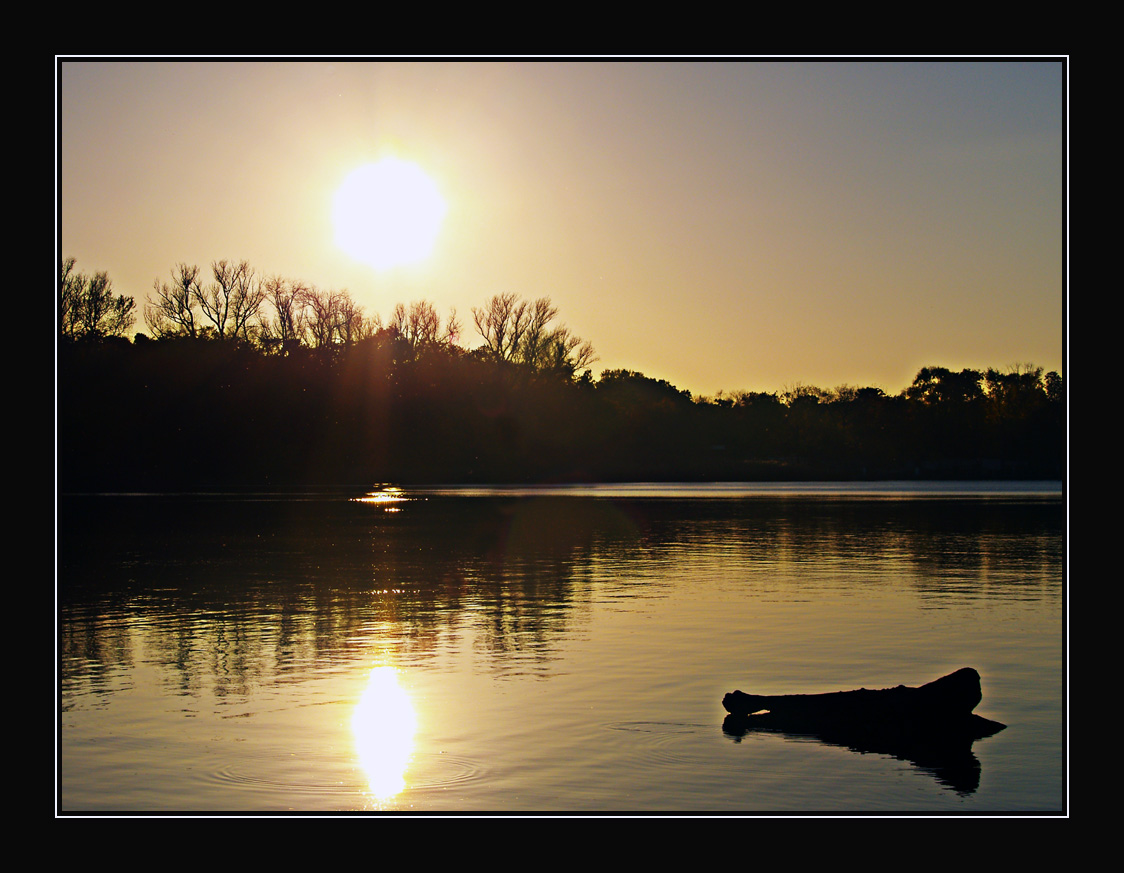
[562,650]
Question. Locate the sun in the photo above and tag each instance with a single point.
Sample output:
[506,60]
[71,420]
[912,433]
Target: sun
[388,214]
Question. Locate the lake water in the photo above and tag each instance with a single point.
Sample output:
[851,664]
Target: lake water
[551,650]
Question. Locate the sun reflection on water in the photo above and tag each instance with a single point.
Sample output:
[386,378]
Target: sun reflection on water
[386,497]
[384,724]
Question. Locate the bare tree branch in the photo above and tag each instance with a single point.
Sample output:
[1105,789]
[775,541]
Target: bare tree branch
[88,308]
[173,312]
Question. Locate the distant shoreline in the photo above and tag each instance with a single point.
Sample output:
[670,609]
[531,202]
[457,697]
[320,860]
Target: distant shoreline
[199,415]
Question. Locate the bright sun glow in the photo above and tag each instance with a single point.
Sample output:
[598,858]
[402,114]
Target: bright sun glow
[388,213]
[384,724]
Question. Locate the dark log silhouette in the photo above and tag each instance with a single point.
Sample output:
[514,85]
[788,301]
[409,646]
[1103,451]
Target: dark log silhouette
[931,726]
[953,695]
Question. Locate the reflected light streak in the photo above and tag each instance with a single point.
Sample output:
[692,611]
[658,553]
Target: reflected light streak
[384,724]
[385,497]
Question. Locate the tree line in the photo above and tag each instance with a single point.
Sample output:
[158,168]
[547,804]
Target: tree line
[244,382]
[281,316]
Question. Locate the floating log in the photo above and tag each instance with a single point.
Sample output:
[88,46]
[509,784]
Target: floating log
[949,699]
[931,726]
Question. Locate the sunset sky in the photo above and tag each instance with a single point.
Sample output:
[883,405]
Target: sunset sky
[727,225]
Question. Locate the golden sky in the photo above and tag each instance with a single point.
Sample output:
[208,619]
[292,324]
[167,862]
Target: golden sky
[735,225]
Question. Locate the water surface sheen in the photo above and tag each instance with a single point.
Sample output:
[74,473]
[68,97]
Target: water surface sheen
[551,649]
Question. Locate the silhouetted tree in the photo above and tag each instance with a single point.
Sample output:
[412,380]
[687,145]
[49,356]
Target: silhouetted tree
[233,301]
[563,354]
[333,319]
[854,394]
[1055,388]
[941,385]
[174,312]
[88,308]
[287,330]
[520,332]
[804,395]
[351,325]
[628,387]
[1015,392]
[417,329]
[501,325]
[227,308]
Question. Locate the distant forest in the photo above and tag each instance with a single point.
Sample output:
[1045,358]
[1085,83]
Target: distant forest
[245,382]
